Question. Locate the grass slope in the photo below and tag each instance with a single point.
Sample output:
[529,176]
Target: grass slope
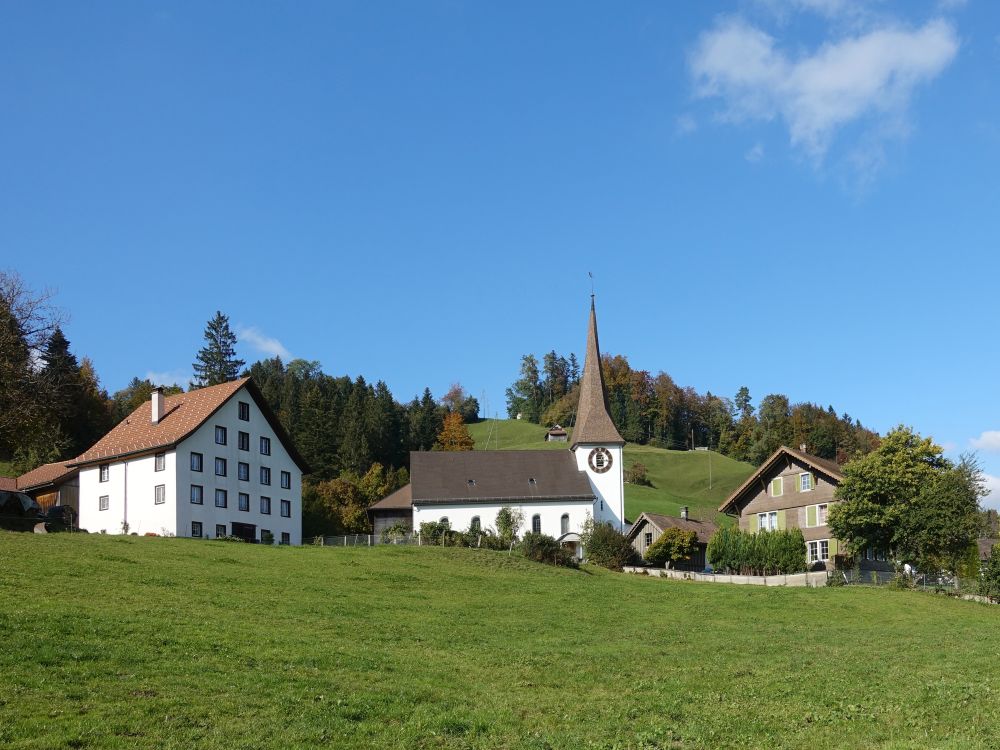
[177,643]
[678,477]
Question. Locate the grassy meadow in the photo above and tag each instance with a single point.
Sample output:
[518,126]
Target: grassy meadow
[178,643]
[678,477]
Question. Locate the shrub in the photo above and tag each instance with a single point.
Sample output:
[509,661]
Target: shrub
[509,520]
[435,532]
[266,537]
[764,553]
[989,575]
[396,531]
[604,545]
[543,548]
[673,546]
[636,474]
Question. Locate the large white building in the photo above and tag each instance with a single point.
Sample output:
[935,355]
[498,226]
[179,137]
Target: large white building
[208,463]
[555,490]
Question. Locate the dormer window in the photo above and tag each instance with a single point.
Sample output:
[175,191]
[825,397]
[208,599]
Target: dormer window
[531,481]
[470,482]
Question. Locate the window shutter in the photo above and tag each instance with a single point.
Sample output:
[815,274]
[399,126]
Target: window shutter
[833,548]
[752,526]
[811,516]
[812,481]
[781,520]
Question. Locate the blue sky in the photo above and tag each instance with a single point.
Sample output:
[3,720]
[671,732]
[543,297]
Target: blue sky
[799,196]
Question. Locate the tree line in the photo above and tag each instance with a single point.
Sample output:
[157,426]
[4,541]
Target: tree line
[654,410]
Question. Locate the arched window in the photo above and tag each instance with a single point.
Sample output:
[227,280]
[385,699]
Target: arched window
[536,524]
[474,526]
[564,524]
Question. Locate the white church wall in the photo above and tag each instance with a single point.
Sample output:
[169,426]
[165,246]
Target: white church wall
[460,516]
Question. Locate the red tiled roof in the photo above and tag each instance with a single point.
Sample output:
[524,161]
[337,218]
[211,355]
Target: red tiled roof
[45,474]
[8,484]
[183,413]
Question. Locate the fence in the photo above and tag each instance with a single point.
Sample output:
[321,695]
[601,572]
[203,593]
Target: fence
[800,579]
[361,540]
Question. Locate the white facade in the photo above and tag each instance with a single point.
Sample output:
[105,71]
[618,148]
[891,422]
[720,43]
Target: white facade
[609,486]
[130,486]
[550,515]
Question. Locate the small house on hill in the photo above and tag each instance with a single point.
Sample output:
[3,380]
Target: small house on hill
[556,435]
[649,526]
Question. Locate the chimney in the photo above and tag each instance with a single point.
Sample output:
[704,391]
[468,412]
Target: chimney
[684,512]
[157,403]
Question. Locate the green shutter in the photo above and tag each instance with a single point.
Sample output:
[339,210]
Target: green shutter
[811,515]
[752,526]
[781,520]
[833,548]
[812,481]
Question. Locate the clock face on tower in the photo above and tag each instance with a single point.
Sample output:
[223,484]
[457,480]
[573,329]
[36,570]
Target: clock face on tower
[599,460]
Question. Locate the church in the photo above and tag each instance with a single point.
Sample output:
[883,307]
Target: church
[555,490]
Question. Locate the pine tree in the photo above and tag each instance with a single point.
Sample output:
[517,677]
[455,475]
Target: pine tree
[216,362]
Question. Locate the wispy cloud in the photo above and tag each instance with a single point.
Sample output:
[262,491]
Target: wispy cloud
[988,441]
[685,124]
[169,377]
[263,343]
[755,154]
[865,76]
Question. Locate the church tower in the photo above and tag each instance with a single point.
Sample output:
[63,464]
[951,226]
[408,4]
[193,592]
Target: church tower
[596,442]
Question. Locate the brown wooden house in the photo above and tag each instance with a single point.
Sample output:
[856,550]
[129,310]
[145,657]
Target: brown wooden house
[649,526]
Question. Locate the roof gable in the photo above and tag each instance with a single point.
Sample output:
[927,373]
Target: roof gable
[496,476]
[830,469]
[183,413]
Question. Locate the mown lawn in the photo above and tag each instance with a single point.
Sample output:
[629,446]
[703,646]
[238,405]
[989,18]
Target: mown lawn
[177,643]
[697,479]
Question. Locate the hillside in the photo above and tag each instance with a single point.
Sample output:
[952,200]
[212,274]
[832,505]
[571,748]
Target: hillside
[678,477]
[179,643]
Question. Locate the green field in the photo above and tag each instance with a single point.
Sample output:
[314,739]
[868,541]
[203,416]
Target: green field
[678,477]
[179,643]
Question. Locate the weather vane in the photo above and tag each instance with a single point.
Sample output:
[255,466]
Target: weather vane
[591,284]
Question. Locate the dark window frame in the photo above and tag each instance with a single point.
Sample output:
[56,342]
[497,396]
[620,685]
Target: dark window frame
[286,508]
[224,496]
[224,464]
[201,462]
[221,431]
[243,440]
[265,505]
[244,411]
[160,462]
[201,494]
[265,445]
[265,476]
[196,530]
[243,471]
[286,480]
[244,502]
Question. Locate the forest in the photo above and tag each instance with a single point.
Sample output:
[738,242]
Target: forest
[654,410]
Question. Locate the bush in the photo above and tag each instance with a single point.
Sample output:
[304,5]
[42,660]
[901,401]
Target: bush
[544,549]
[434,532]
[761,554]
[673,546]
[604,545]
[636,474]
[229,538]
[396,531]
[266,537]
[989,575]
[509,520]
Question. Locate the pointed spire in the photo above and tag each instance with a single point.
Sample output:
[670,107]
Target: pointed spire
[593,421]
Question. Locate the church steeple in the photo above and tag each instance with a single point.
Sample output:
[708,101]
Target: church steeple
[593,421]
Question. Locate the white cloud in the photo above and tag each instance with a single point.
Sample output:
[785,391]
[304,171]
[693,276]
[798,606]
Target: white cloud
[169,377]
[755,154]
[988,441]
[261,342]
[685,124]
[867,76]
[992,500]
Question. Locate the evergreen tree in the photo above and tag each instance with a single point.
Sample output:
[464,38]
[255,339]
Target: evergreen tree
[216,361]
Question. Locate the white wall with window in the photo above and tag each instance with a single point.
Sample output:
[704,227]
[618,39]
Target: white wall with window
[137,494]
[551,519]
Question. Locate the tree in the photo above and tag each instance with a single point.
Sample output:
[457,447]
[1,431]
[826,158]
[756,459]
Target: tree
[944,519]
[743,404]
[879,488]
[673,546]
[604,545]
[137,392]
[989,576]
[524,397]
[457,400]
[509,520]
[454,435]
[217,362]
